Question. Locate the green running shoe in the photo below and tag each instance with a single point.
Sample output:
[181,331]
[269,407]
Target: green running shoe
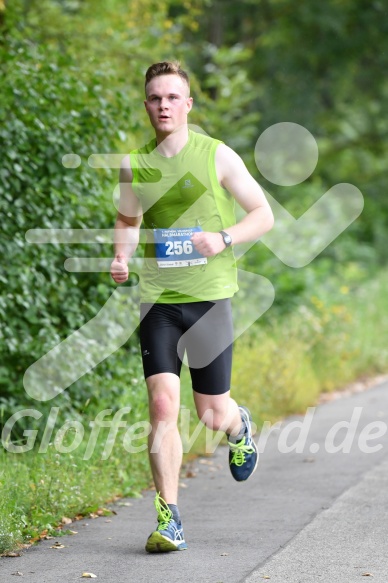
[169,534]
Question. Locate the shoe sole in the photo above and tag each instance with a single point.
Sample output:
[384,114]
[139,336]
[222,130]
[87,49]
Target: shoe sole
[256,464]
[157,543]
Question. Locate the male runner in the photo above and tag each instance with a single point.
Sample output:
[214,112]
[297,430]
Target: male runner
[183,186]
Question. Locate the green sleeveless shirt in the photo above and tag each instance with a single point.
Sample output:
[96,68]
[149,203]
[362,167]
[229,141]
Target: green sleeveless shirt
[177,192]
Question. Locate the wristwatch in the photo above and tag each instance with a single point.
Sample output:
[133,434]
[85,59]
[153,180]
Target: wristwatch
[227,238]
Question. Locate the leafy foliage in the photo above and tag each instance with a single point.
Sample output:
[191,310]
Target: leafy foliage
[319,65]
[49,110]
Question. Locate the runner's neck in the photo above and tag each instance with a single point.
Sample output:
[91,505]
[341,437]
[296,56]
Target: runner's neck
[170,145]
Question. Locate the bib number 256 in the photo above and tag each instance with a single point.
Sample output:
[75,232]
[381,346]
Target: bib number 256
[178,247]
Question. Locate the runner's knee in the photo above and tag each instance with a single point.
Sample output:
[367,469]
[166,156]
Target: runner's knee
[162,407]
[163,404]
[214,418]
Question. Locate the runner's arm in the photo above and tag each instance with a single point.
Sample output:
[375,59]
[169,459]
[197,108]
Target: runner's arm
[235,178]
[233,175]
[127,226]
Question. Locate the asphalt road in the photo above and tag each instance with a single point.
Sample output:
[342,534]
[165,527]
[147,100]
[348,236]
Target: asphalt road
[309,514]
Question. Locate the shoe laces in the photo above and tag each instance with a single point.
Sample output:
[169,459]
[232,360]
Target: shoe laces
[164,512]
[239,451]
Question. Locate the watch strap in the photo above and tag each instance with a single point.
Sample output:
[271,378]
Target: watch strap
[227,238]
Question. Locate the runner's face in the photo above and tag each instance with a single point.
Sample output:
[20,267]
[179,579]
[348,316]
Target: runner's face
[167,103]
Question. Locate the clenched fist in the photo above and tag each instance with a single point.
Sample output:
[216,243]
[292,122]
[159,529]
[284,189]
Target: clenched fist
[119,269]
[208,244]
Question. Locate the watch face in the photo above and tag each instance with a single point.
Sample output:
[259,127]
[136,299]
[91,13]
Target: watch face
[227,239]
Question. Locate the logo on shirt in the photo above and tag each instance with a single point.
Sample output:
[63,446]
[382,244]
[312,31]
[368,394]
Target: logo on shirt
[188,184]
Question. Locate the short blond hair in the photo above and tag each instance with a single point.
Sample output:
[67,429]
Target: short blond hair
[166,68]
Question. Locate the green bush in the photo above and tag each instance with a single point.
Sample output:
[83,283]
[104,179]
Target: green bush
[49,110]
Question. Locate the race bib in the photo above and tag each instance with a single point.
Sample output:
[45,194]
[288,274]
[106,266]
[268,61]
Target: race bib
[174,248]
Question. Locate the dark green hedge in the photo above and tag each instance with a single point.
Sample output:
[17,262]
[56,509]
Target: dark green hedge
[49,109]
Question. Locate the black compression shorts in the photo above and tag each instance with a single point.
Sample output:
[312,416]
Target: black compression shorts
[203,329]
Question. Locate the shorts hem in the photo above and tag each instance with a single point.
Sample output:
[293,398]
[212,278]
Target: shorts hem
[160,372]
[212,394]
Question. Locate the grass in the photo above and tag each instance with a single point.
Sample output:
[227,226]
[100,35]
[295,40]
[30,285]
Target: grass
[329,341]
[280,367]
[38,490]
